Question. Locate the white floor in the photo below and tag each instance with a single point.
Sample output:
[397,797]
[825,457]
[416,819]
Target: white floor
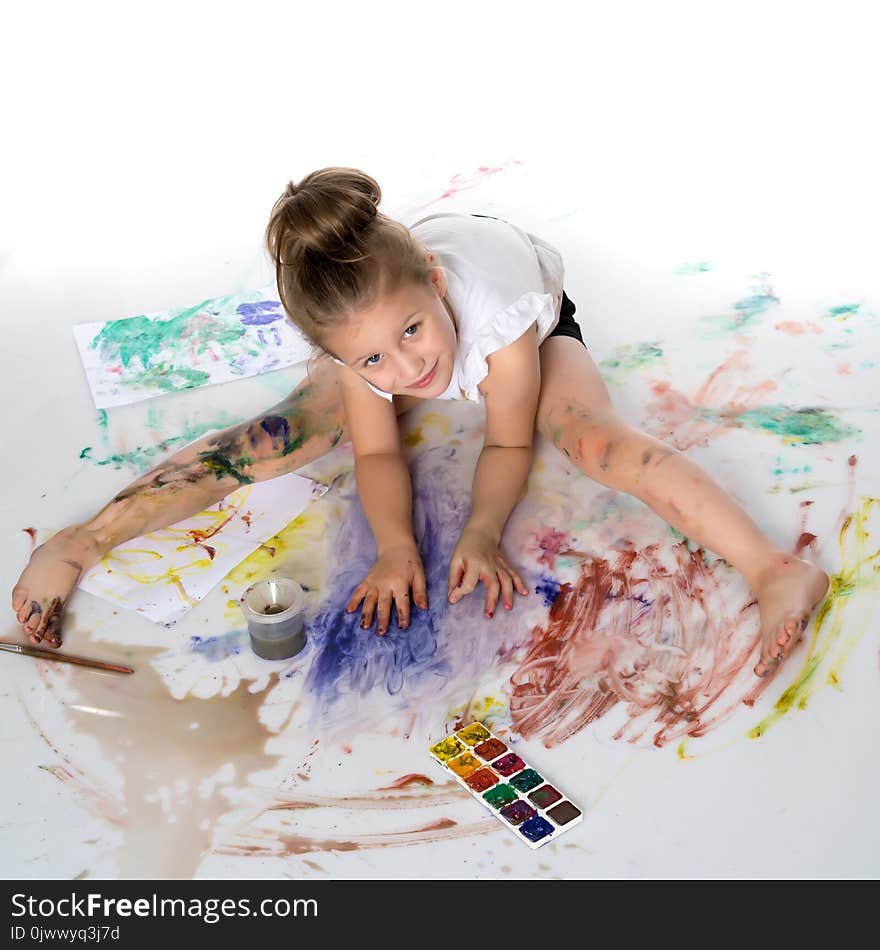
[697,166]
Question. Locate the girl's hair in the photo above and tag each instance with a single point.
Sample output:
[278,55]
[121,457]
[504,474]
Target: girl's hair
[334,252]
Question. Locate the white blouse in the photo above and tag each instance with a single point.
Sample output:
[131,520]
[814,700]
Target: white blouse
[499,281]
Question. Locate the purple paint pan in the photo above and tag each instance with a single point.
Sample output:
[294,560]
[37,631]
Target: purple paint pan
[515,792]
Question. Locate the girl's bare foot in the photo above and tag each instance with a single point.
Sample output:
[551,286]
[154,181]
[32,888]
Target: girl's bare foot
[47,582]
[788,589]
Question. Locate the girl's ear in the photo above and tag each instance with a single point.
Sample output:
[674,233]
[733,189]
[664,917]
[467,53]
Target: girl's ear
[438,276]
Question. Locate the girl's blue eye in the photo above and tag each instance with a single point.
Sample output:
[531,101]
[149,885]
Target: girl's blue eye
[372,360]
[414,327]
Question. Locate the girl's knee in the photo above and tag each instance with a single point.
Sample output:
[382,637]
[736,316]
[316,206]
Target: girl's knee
[611,452]
[583,435]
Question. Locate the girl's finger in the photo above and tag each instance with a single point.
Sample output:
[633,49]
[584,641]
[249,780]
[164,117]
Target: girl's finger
[456,572]
[356,597]
[401,601]
[519,584]
[384,614]
[420,589]
[493,590]
[468,584]
[368,608]
[506,589]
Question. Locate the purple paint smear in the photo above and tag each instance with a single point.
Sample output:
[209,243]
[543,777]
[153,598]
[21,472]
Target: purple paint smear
[260,313]
[442,644]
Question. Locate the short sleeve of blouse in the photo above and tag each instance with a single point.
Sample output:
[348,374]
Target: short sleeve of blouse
[500,280]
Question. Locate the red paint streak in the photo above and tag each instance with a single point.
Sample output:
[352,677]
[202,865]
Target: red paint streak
[805,541]
[198,535]
[405,780]
[33,533]
[844,369]
[661,640]
[464,182]
[790,326]
[676,419]
[211,551]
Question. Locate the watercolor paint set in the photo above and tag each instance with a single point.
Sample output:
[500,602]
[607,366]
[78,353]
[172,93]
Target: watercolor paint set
[518,795]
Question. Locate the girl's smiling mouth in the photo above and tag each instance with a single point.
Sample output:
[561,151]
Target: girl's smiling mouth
[425,380]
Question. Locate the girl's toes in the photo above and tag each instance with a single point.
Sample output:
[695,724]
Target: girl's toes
[19,599]
[34,619]
[24,612]
[52,634]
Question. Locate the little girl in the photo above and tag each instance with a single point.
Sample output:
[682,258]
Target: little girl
[458,306]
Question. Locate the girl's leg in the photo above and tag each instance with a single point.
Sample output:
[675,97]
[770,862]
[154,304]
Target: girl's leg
[301,428]
[576,414]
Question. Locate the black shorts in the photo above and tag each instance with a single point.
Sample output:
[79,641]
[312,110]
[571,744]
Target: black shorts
[567,325]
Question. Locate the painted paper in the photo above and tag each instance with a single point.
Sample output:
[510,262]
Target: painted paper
[164,574]
[217,340]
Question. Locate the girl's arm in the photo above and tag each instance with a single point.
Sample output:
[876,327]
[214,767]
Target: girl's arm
[385,492]
[511,389]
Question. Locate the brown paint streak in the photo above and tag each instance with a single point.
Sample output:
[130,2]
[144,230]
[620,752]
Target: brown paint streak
[631,630]
[405,780]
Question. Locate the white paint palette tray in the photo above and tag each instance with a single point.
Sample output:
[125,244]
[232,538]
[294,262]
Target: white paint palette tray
[518,795]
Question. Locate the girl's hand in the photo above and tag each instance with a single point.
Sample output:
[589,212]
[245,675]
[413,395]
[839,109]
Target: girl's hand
[476,558]
[396,570]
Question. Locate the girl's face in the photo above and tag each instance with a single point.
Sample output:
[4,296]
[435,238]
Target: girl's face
[405,345]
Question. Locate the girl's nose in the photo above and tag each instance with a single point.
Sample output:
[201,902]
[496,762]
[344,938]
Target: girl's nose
[411,367]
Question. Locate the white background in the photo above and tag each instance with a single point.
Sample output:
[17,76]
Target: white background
[143,147]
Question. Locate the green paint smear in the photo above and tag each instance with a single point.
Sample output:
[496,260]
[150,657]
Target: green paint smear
[222,465]
[143,458]
[796,426]
[630,357]
[858,574]
[102,418]
[161,344]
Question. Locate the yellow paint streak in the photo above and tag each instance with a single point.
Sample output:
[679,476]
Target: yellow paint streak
[829,648]
[417,435]
[296,551]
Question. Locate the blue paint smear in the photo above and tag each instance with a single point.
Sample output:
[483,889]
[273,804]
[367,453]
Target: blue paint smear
[350,660]
[220,647]
[260,312]
[548,587]
[277,427]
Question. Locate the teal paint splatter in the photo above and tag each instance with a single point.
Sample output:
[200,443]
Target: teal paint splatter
[700,267]
[102,418]
[747,310]
[844,311]
[807,426]
[143,458]
[796,470]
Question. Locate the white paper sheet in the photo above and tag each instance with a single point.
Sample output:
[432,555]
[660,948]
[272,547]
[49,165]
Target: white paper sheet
[164,574]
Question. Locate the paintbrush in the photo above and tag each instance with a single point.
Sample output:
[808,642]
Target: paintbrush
[63,658]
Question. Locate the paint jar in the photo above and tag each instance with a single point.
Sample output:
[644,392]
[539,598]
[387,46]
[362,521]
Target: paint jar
[275,617]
